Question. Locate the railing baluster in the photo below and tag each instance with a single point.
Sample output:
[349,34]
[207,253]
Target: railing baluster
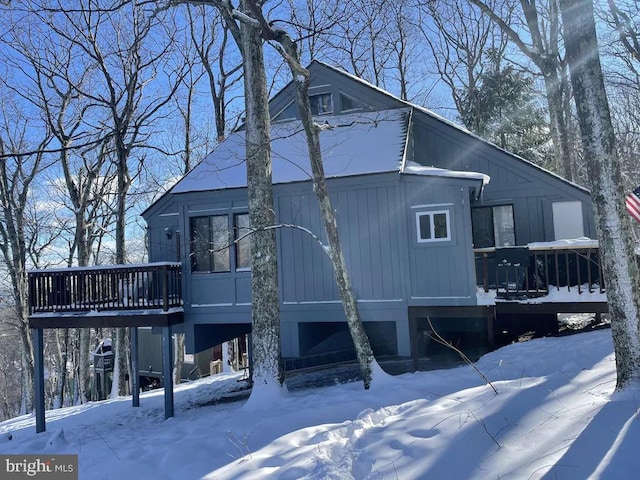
[557,271]
[589,270]
[578,270]
[165,289]
[600,278]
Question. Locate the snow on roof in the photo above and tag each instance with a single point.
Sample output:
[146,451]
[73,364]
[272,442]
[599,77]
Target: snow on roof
[356,144]
[413,168]
[448,122]
[362,143]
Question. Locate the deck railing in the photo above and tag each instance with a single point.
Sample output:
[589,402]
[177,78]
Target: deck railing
[533,271]
[105,288]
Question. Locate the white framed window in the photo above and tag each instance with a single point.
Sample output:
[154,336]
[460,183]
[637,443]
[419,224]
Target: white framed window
[433,226]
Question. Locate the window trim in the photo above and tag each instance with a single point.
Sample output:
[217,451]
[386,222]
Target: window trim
[431,214]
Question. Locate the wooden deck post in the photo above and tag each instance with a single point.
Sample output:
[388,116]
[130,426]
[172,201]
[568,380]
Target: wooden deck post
[38,351]
[491,317]
[135,378]
[167,371]
[413,338]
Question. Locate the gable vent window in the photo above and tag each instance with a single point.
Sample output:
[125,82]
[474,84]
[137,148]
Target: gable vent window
[433,226]
[349,103]
[321,104]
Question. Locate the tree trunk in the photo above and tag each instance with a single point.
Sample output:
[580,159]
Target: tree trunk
[301,80]
[558,122]
[612,221]
[356,327]
[62,348]
[121,363]
[265,312]
[28,370]
[178,353]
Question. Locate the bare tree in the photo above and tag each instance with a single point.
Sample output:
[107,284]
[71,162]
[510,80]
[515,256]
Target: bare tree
[210,39]
[543,46]
[313,22]
[621,45]
[302,81]
[252,30]
[624,19]
[18,173]
[372,39]
[459,38]
[265,311]
[10,355]
[127,52]
[612,221]
[52,88]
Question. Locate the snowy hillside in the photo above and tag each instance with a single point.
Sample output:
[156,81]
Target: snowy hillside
[554,417]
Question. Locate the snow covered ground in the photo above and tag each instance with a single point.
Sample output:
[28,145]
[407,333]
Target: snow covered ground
[555,416]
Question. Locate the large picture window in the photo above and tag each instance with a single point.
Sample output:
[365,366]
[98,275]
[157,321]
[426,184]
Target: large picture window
[433,226]
[493,226]
[210,243]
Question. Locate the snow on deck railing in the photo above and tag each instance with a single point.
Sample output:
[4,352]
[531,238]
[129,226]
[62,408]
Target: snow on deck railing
[531,271]
[105,288]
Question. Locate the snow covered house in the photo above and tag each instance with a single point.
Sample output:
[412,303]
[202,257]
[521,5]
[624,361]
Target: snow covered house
[427,213]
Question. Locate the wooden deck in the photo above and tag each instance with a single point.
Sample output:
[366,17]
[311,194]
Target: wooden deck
[106,296]
[522,273]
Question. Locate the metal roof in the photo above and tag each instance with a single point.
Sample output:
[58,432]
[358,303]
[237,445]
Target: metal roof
[366,142]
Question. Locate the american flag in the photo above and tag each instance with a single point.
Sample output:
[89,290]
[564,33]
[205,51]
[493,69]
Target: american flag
[633,203]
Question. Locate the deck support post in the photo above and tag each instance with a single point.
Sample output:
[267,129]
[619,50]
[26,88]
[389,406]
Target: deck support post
[491,318]
[413,338]
[38,352]
[167,371]
[135,377]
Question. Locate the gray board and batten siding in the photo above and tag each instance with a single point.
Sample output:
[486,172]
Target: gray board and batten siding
[389,269]
[514,181]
